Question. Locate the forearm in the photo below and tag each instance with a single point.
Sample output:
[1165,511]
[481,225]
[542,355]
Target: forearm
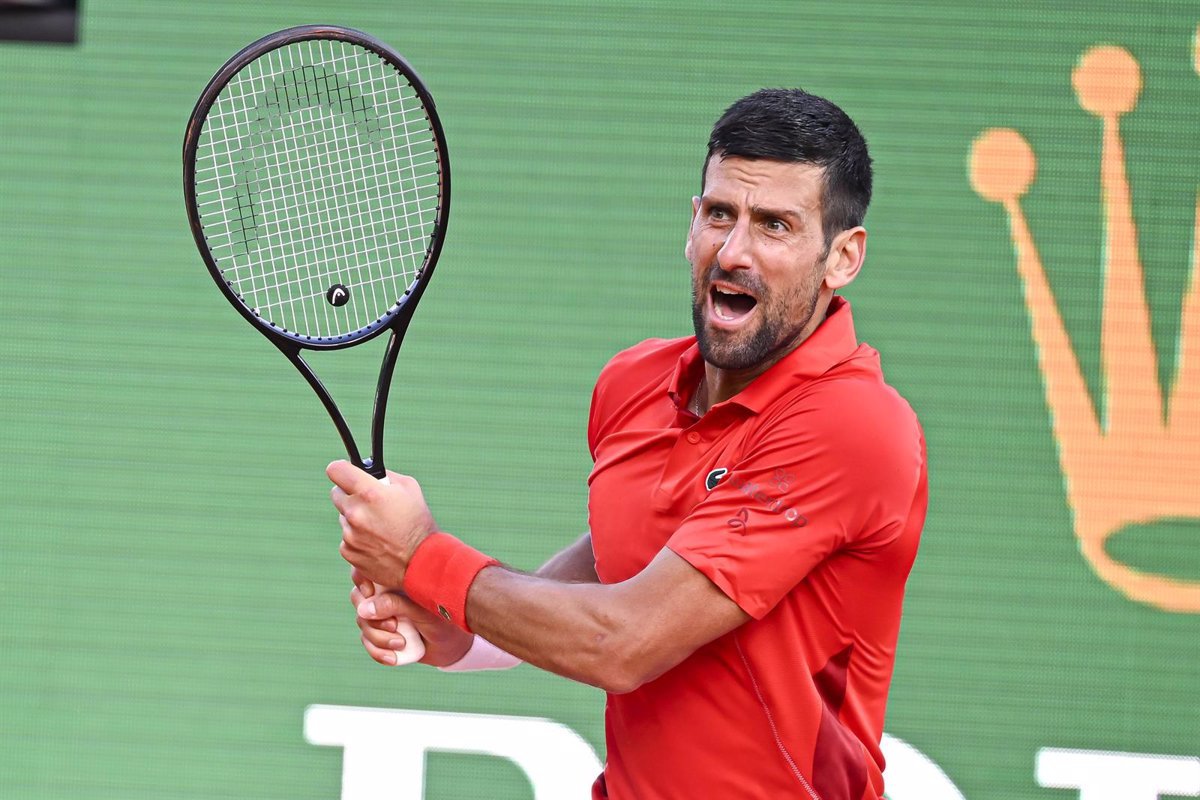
[616,636]
[588,632]
[573,564]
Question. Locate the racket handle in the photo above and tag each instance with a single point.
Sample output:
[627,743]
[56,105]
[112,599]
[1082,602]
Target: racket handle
[414,645]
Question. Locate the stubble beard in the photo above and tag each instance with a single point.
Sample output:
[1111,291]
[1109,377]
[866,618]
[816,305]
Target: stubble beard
[775,332]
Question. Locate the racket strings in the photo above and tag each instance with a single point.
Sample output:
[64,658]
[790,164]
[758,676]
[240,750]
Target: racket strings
[300,159]
[318,167]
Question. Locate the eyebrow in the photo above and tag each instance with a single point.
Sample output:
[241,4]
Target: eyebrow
[778,213]
[758,211]
[799,216]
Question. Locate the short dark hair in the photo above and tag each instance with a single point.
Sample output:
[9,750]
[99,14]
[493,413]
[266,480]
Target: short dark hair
[795,126]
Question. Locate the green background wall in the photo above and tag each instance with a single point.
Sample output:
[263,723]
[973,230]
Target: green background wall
[171,596]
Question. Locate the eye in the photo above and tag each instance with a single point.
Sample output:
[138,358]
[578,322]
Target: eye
[718,214]
[775,225]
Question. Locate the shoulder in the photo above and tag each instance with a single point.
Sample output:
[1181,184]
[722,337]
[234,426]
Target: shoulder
[855,395]
[631,383]
[645,361]
[853,417]
[857,443]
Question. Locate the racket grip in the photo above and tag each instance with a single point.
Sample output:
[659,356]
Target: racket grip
[414,645]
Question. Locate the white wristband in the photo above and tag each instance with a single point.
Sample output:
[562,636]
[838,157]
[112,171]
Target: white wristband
[480,656]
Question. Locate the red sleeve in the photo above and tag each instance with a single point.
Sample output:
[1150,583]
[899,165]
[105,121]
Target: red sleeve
[600,411]
[836,471]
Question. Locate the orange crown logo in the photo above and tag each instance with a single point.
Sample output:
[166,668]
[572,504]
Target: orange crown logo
[1141,463]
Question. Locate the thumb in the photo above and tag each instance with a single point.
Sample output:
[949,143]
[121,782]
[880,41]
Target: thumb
[365,586]
[390,604]
[349,478]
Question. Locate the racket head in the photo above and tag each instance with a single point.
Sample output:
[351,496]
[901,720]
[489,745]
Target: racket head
[317,185]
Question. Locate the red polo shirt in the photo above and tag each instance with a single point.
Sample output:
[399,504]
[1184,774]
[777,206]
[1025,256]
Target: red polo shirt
[802,498]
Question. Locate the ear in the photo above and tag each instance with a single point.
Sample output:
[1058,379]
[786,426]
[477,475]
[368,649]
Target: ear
[687,247]
[846,254]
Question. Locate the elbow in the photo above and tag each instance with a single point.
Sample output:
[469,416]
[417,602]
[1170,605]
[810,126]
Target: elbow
[623,669]
[620,681]
[621,653]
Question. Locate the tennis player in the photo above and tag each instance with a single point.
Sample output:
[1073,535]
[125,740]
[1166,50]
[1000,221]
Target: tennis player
[755,505]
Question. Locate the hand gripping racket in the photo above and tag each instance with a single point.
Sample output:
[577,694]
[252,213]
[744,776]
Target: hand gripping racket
[317,187]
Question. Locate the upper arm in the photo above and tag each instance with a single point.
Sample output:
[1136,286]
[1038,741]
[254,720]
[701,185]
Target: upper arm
[576,563]
[668,611]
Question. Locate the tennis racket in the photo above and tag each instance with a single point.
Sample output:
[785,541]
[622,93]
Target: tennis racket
[318,187]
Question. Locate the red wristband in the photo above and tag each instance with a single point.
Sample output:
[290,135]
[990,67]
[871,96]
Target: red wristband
[439,574]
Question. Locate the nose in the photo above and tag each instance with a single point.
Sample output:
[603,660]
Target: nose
[734,252]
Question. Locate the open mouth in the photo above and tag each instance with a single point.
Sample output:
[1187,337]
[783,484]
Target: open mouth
[729,304]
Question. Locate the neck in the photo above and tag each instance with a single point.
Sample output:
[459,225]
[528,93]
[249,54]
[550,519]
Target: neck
[718,384]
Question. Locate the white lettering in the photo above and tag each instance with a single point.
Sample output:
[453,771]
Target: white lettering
[384,757]
[384,749]
[912,775]
[1118,776]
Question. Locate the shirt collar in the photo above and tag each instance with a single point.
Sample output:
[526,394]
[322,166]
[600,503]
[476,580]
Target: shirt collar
[831,343]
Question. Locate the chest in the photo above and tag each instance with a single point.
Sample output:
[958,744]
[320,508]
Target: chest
[649,475]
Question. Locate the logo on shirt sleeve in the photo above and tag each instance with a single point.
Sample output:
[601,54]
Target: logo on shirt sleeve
[714,478]
[780,481]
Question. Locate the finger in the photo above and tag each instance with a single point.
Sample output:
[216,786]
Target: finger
[390,604]
[347,552]
[366,588]
[356,593]
[389,625]
[349,478]
[384,640]
[380,654]
[340,501]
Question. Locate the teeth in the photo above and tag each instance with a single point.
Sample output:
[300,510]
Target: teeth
[723,308]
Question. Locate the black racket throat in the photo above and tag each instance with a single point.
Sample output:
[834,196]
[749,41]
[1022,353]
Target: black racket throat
[373,462]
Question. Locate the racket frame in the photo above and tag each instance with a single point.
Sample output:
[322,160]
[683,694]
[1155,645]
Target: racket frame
[397,318]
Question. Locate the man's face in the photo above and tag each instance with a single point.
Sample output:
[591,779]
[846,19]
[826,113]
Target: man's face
[758,260]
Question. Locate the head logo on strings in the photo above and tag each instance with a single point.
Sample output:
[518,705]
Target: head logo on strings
[338,295]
